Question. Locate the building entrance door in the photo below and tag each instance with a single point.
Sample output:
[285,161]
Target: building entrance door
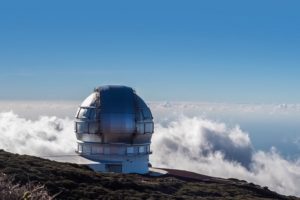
[114,168]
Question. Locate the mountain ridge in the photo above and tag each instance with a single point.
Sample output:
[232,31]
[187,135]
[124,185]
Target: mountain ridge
[71,181]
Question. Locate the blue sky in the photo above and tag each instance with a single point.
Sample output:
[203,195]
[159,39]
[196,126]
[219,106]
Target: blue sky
[220,51]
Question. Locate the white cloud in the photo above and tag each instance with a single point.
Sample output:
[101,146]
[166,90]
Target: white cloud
[211,148]
[185,137]
[45,136]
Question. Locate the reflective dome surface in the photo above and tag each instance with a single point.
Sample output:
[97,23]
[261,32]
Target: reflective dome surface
[114,114]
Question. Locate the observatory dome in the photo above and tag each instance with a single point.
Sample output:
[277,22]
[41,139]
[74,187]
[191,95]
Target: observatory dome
[114,126]
[114,114]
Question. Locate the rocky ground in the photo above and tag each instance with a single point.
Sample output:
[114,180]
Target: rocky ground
[71,181]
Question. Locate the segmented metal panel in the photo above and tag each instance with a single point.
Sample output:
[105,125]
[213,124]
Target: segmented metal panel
[114,114]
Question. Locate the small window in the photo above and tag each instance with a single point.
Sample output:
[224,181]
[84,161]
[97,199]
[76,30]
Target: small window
[147,114]
[93,127]
[130,150]
[97,150]
[141,149]
[93,114]
[148,127]
[81,127]
[86,149]
[83,113]
[140,128]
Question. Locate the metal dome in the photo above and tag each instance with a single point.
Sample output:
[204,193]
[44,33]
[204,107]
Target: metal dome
[114,114]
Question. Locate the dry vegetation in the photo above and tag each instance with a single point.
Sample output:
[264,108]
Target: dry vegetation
[11,191]
[71,181]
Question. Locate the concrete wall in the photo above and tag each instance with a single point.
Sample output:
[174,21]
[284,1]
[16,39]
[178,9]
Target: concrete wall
[129,164]
[136,165]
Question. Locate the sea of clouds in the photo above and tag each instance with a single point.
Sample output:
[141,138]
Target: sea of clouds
[189,136]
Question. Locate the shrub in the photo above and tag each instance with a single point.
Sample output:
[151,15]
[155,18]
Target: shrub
[11,191]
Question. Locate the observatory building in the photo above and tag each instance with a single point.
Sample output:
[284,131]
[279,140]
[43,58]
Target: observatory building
[114,127]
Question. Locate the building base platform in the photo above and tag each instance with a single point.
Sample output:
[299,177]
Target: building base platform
[98,166]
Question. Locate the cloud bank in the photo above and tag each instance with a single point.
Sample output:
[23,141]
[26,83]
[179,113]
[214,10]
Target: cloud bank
[211,148]
[45,136]
[181,141]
